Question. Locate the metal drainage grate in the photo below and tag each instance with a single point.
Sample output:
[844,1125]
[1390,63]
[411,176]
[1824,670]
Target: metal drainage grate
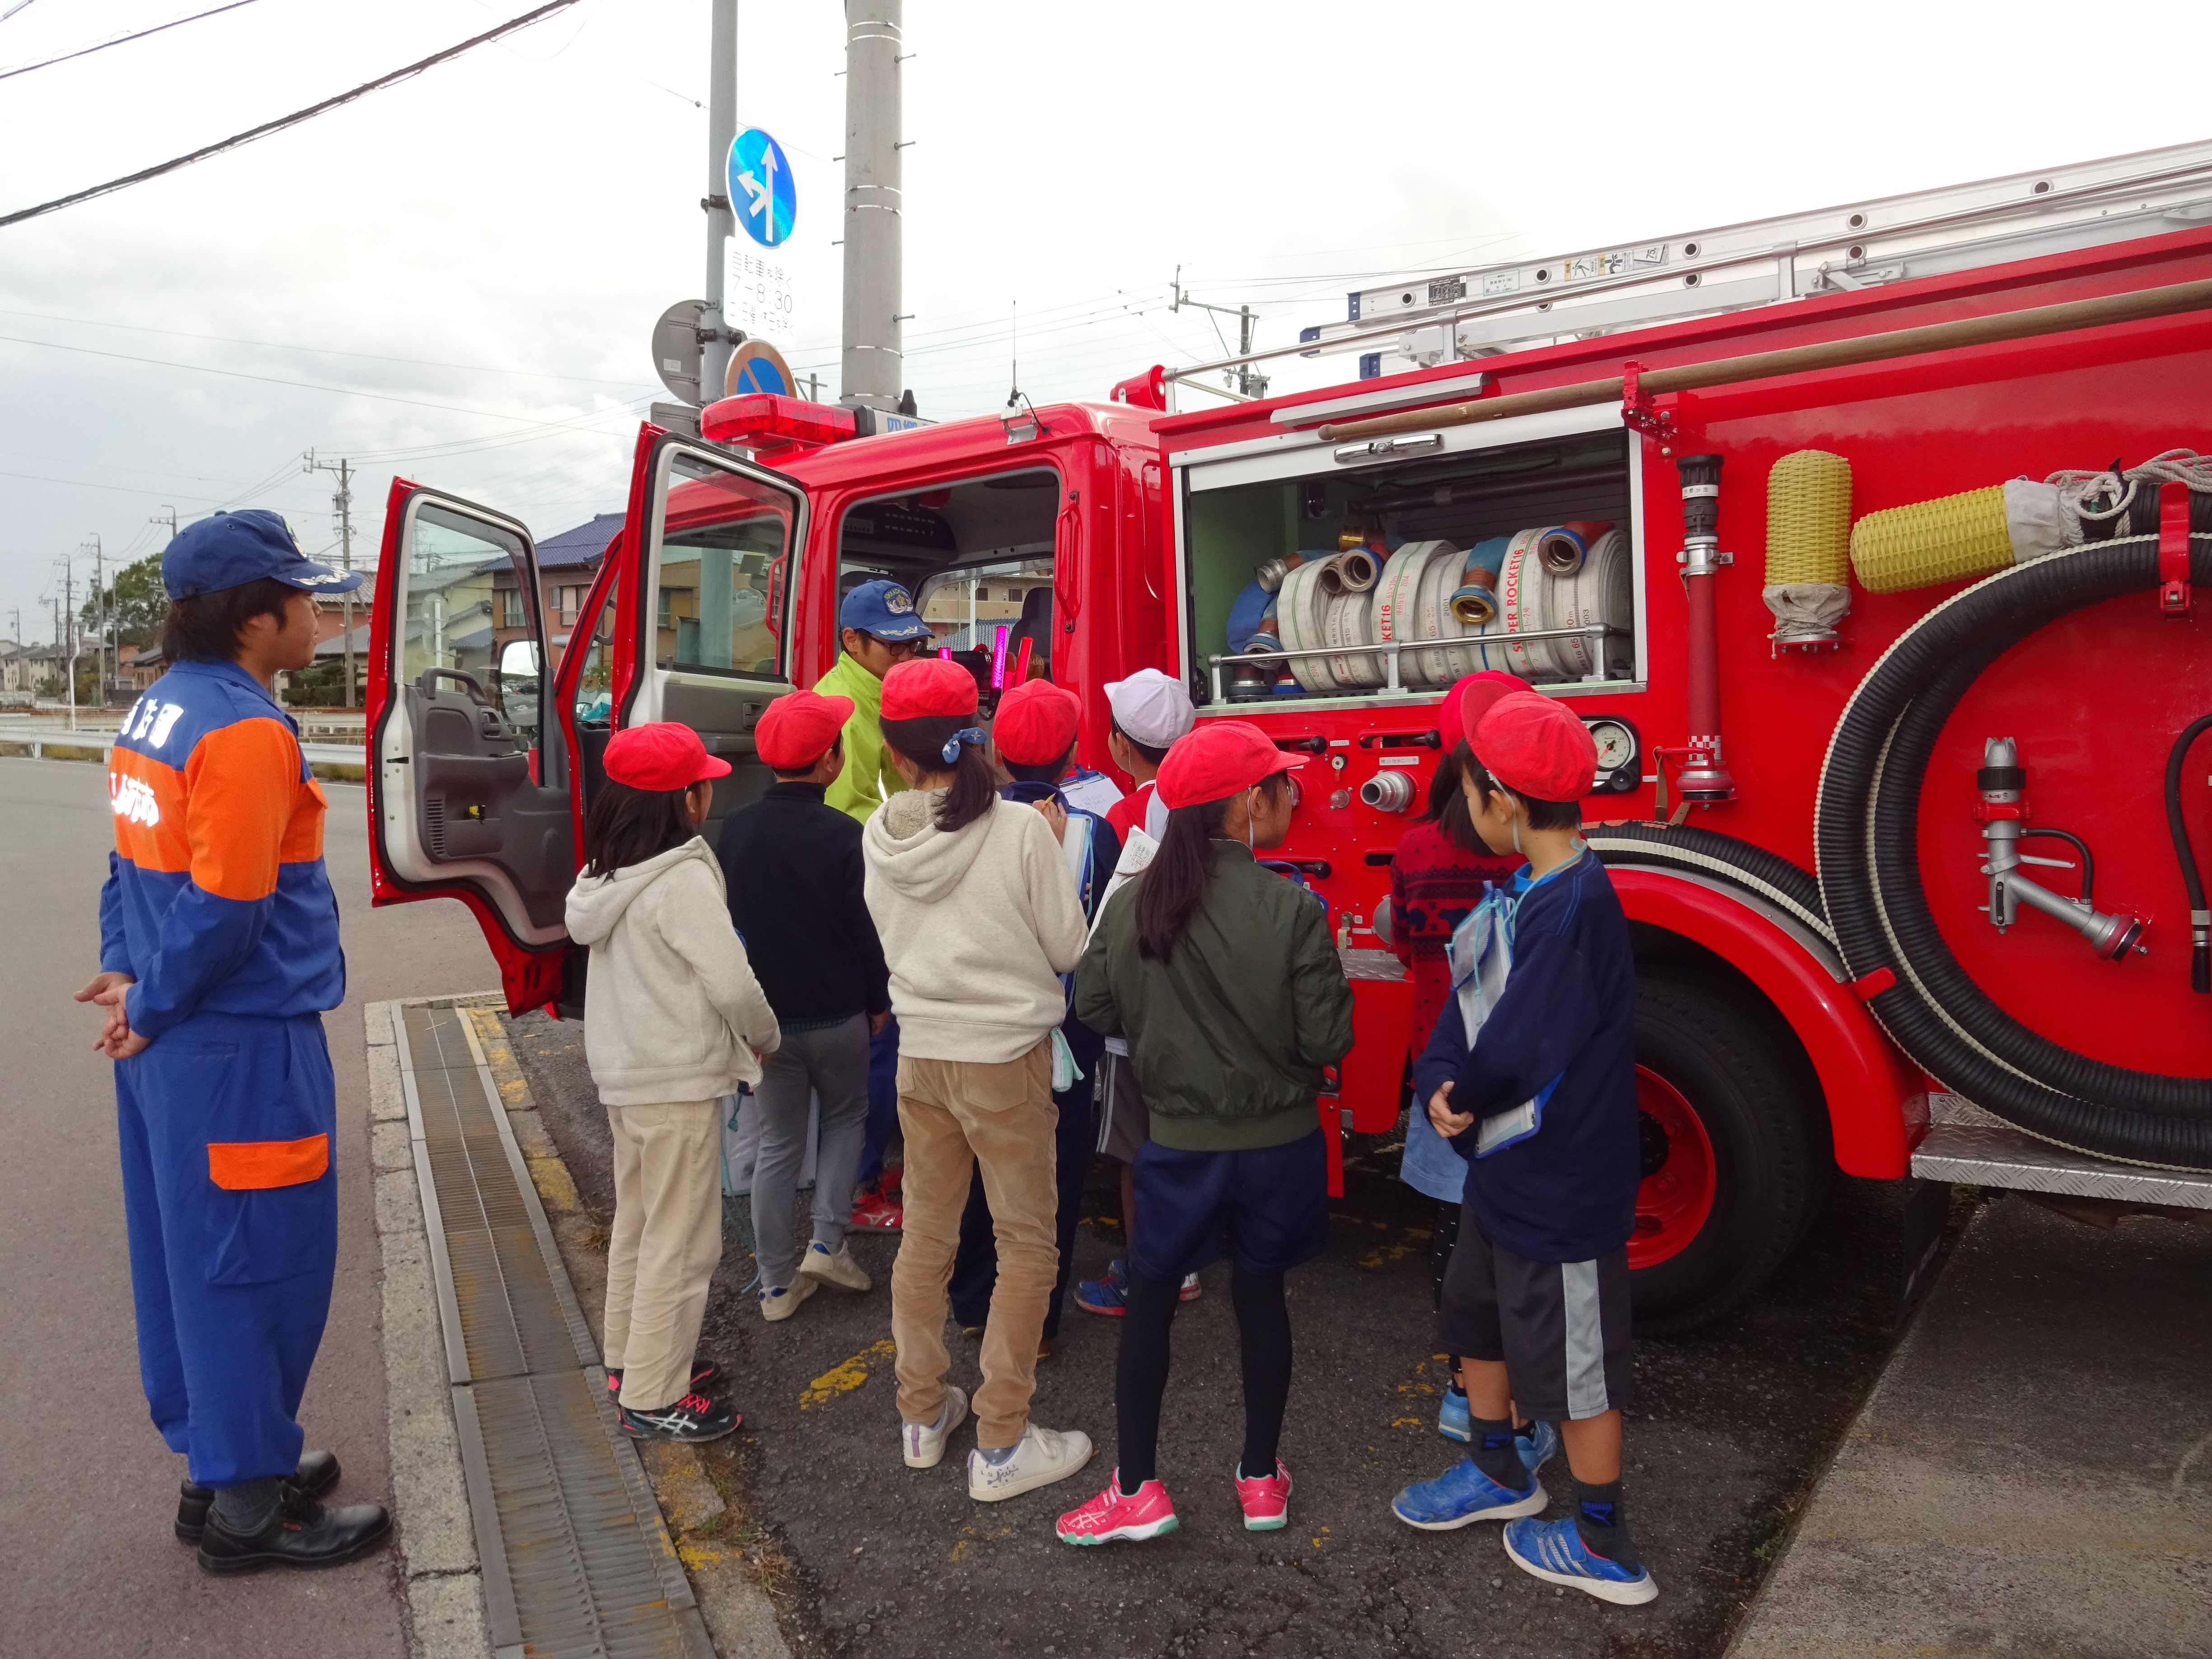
[577,1561]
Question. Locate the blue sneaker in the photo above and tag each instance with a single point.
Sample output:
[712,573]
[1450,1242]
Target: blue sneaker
[1109,1295]
[1538,1444]
[1554,1552]
[1463,1494]
[1452,1417]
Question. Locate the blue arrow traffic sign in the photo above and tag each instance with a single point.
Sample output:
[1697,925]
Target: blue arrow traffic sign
[762,194]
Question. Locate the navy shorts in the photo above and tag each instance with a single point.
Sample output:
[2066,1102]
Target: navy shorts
[1270,1205]
[1560,1327]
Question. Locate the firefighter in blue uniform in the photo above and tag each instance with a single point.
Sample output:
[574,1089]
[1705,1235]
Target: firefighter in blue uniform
[218,952]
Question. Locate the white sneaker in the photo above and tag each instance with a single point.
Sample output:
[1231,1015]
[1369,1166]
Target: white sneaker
[839,1269]
[924,1446]
[1041,1457]
[782,1305]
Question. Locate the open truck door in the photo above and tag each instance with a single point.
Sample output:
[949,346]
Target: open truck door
[468,782]
[700,631]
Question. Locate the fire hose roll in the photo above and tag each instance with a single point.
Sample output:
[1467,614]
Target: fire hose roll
[1398,618]
[1870,885]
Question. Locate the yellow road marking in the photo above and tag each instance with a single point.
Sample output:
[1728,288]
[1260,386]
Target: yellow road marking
[846,1374]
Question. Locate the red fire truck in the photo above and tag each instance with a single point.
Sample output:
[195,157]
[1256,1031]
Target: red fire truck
[1741,498]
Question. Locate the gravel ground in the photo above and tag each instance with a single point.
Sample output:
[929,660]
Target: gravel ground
[1730,1428]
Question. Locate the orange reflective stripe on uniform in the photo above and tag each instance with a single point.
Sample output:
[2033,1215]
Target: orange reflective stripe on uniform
[240,786]
[245,1166]
[303,836]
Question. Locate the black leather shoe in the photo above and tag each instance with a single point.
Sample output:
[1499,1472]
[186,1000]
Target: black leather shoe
[301,1534]
[317,1474]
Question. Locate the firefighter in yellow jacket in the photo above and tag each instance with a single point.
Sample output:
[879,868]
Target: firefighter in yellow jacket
[218,954]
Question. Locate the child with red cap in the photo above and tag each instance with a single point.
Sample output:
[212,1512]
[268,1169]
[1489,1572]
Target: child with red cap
[1531,1075]
[971,897]
[792,865]
[1033,733]
[1226,982]
[1438,874]
[673,1021]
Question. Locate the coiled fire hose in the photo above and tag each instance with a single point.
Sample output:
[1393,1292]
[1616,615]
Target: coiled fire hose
[1867,839]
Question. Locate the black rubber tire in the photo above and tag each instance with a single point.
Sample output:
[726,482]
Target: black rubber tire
[1729,1054]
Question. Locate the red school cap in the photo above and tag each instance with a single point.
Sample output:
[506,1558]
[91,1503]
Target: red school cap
[660,755]
[1036,723]
[1470,698]
[1536,748]
[1216,759]
[928,685]
[796,730]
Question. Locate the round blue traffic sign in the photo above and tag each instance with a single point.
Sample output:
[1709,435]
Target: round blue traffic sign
[757,366]
[762,194]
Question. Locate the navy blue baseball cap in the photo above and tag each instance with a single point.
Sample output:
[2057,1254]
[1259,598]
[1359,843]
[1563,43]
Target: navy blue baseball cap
[230,549]
[884,609]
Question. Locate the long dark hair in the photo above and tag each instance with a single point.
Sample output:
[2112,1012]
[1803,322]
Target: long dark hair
[1174,883]
[625,825]
[922,739]
[1447,804]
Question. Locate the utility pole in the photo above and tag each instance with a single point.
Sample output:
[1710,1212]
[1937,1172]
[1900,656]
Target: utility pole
[875,202]
[68,621]
[344,501]
[721,130]
[100,639]
[1248,384]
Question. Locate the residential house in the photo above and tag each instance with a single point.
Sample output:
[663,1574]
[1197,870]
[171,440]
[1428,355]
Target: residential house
[566,564]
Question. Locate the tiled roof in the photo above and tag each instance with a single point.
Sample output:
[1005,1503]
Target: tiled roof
[580,547]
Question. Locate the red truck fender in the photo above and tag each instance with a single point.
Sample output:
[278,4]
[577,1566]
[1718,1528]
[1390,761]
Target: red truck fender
[1863,1081]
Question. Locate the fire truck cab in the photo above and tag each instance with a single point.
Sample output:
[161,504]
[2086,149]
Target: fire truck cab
[1584,502]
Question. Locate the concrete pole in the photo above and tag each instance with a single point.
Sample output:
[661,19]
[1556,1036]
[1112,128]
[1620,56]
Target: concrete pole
[874,203]
[345,544]
[721,129]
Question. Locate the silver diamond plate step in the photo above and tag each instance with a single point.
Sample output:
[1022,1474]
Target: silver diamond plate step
[1968,1145]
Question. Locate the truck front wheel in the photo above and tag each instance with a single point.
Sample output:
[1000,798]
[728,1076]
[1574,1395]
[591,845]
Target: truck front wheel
[1734,1169]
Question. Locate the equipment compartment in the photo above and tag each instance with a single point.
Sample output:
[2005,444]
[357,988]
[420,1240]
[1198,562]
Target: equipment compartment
[1521,557]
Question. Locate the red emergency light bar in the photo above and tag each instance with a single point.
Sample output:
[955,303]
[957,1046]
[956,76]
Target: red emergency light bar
[765,420]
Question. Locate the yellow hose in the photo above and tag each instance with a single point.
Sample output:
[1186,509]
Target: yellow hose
[1949,539]
[1809,518]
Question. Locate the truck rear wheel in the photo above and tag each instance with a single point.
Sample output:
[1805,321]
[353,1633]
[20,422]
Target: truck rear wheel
[1734,1169]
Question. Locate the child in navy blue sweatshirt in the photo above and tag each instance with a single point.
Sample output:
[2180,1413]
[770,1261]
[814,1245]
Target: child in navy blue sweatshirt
[1531,1075]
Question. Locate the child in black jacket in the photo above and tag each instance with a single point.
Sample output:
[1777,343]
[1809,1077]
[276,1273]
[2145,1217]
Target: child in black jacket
[1531,1075]
[792,867]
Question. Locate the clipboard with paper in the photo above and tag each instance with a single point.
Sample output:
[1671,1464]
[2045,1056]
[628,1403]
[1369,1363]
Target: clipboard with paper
[1480,957]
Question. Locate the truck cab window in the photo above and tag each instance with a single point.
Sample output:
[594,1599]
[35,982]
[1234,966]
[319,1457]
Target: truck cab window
[719,605]
[977,556]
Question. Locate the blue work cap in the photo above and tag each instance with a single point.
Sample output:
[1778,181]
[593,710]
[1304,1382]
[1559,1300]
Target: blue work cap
[884,609]
[230,549]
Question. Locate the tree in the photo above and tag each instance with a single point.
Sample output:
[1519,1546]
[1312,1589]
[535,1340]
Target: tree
[136,602]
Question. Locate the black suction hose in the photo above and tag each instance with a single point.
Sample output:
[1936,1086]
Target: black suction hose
[1707,853]
[2200,949]
[1865,839]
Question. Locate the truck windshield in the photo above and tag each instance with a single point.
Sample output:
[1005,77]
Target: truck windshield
[977,556]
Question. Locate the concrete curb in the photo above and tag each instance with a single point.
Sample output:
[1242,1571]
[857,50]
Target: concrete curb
[443,1582]
[740,1618]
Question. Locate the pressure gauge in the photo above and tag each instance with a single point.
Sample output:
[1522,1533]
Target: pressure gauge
[1619,755]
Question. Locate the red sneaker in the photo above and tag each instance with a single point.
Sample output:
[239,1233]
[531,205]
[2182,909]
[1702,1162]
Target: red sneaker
[875,1213]
[1116,1514]
[1267,1501]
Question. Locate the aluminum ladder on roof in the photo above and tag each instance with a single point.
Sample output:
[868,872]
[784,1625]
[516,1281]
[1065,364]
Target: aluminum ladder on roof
[1475,313]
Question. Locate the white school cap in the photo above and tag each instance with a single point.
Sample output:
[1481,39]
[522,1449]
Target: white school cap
[1150,707]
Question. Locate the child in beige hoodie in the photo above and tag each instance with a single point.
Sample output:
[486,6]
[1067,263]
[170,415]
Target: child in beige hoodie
[673,1021]
[971,897]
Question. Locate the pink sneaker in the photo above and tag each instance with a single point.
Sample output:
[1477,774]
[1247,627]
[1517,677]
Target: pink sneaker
[1112,1515]
[1266,1501]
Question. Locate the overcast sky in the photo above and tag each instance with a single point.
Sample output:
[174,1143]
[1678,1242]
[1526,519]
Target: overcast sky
[456,279]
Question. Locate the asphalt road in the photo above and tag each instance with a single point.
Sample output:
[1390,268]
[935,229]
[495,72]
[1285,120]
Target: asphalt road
[90,1489]
[1730,1428]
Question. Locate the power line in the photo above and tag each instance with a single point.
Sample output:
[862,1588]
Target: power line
[121,39]
[278,125]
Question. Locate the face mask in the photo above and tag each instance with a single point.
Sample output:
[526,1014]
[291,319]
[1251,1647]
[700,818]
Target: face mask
[1514,823]
[1251,806]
